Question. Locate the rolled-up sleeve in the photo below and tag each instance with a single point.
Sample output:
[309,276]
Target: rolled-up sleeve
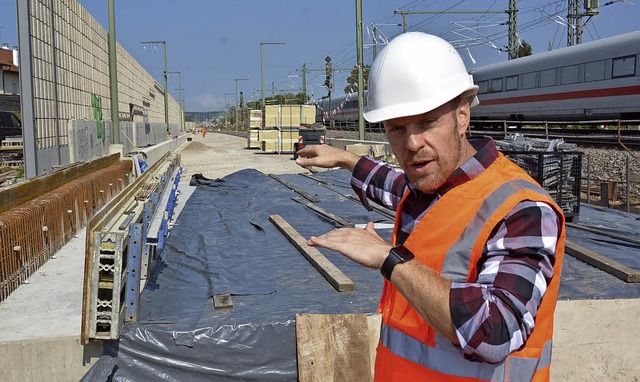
[377,181]
[495,315]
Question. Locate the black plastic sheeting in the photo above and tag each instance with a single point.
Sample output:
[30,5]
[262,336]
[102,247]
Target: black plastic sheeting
[581,281]
[223,242]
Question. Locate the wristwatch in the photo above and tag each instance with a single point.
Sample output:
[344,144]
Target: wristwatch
[397,255]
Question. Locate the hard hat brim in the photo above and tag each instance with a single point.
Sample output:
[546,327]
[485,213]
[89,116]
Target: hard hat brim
[418,107]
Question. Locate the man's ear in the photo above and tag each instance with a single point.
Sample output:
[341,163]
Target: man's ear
[463,114]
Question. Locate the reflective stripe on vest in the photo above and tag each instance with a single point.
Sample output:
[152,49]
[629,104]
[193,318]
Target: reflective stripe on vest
[440,360]
[455,266]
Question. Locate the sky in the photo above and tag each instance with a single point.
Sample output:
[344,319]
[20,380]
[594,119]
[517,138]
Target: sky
[214,42]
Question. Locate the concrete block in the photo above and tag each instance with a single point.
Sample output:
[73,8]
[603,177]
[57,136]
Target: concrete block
[47,359]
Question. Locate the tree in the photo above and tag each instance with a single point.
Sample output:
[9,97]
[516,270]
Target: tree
[352,80]
[524,49]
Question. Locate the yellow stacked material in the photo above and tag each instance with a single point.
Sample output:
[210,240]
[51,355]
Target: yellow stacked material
[289,116]
[252,139]
[278,140]
[255,119]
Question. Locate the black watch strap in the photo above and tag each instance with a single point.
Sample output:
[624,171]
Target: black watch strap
[396,256]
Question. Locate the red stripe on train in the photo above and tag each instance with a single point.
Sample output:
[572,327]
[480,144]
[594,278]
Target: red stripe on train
[609,92]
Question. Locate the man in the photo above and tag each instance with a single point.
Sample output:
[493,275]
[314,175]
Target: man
[472,273]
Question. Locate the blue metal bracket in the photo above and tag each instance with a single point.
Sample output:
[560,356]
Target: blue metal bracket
[132,288]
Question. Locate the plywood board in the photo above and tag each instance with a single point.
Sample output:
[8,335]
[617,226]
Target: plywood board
[333,347]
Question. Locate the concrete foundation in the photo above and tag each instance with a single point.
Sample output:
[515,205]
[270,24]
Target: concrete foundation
[47,359]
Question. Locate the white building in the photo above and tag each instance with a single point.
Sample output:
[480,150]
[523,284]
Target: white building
[9,71]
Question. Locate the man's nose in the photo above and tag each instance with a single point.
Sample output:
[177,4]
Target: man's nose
[414,139]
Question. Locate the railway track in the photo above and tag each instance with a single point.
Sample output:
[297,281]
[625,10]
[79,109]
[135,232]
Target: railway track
[592,137]
[597,138]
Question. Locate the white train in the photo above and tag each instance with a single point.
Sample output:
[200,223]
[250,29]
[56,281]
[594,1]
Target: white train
[597,80]
[339,110]
[591,81]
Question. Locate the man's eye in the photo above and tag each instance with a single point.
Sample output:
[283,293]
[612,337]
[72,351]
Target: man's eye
[427,122]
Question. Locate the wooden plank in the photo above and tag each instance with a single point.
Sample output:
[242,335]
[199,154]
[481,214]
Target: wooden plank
[222,301]
[25,191]
[383,211]
[603,263]
[321,181]
[334,276]
[333,347]
[290,186]
[330,215]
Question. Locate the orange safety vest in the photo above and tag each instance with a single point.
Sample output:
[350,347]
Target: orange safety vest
[410,349]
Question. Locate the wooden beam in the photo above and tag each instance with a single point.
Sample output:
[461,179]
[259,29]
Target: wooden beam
[25,191]
[333,347]
[334,276]
[383,211]
[603,232]
[329,215]
[603,263]
[290,186]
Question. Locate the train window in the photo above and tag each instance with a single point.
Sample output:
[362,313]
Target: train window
[624,66]
[594,71]
[496,85]
[529,80]
[512,83]
[569,74]
[548,77]
[483,85]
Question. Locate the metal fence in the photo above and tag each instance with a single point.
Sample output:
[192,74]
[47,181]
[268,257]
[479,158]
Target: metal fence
[559,173]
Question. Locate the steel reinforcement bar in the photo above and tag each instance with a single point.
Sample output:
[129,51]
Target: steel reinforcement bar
[31,233]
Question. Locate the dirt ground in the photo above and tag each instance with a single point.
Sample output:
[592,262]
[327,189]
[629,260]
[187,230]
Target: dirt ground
[594,340]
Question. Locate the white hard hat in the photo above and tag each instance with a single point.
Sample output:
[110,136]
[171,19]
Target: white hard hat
[416,73]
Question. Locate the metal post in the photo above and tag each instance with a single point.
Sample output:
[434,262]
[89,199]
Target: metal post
[113,74]
[29,128]
[164,74]
[238,79]
[180,96]
[166,89]
[588,179]
[262,44]
[546,129]
[304,83]
[360,50]
[513,30]
[628,191]
[375,42]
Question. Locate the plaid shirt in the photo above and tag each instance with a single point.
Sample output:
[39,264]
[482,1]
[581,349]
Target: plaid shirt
[494,315]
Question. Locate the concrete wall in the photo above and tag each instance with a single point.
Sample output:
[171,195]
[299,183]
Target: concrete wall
[85,143]
[60,359]
[64,75]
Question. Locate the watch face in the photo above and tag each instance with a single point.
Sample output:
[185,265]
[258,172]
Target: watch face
[402,253]
[396,256]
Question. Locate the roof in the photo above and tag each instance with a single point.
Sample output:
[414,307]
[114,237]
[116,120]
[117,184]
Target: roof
[6,61]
